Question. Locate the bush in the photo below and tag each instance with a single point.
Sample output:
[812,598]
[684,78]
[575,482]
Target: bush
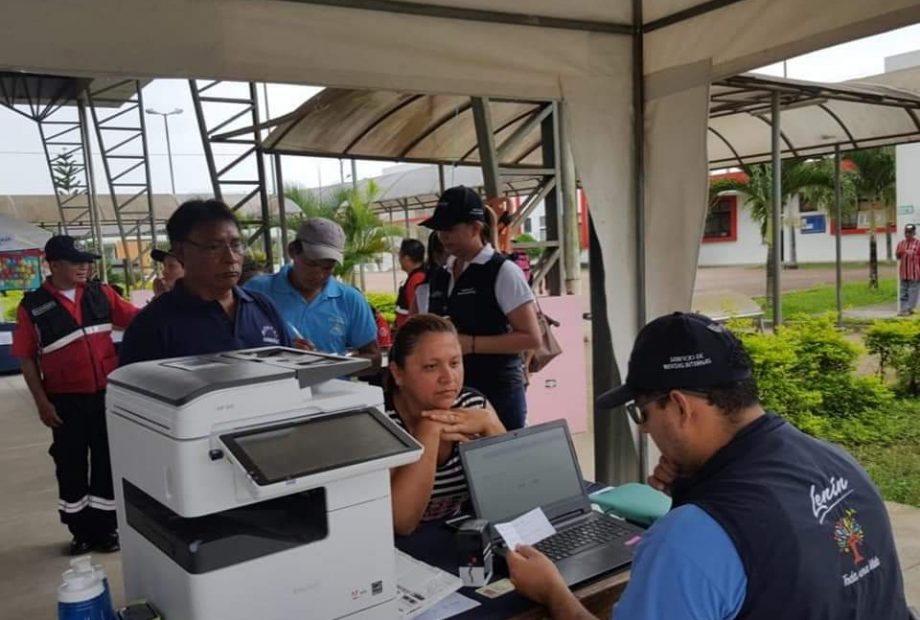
[897,344]
[9,303]
[385,303]
[806,373]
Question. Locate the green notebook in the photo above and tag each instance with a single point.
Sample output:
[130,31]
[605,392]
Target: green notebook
[638,503]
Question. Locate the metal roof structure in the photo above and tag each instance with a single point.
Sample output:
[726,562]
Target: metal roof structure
[439,129]
[37,96]
[872,111]
[399,126]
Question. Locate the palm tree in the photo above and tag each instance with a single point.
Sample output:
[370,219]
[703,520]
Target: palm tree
[798,175]
[366,236]
[874,183]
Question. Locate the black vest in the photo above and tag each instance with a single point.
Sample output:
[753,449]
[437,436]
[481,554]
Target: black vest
[55,322]
[808,523]
[474,310]
[403,303]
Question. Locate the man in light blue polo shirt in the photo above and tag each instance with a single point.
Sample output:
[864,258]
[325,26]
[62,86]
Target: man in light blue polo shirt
[328,315]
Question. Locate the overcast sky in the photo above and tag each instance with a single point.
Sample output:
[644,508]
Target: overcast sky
[23,169]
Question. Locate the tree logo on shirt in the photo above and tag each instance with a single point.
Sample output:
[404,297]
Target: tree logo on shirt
[270,334]
[848,534]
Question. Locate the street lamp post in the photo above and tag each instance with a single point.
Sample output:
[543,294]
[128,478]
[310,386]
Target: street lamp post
[166,115]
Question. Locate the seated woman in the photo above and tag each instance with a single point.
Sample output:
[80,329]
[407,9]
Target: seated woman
[426,397]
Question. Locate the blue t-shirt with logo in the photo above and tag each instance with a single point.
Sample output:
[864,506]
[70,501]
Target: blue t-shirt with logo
[686,568]
[337,319]
[177,324]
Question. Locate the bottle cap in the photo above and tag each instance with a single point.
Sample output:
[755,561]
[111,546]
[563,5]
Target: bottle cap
[79,586]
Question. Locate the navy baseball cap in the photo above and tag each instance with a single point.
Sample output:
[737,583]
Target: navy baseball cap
[456,205]
[680,350]
[64,247]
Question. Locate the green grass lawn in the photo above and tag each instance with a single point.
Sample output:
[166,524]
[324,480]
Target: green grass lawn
[890,450]
[895,469]
[821,299]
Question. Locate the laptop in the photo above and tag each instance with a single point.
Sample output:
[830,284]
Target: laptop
[511,474]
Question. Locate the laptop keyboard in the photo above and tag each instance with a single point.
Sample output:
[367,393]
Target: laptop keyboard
[596,530]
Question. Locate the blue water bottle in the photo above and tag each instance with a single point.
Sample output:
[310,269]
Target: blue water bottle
[85,563]
[81,596]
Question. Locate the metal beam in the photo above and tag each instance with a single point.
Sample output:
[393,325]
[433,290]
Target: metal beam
[838,250]
[680,16]
[571,251]
[485,138]
[533,200]
[638,86]
[549,131]
[282,211]
[475,15]
[532,124]
[776,214]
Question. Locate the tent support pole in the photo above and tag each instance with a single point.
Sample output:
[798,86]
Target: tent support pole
[570,249]
[638,84]
[838,250]
[91,189]
[777,209]
[282,212]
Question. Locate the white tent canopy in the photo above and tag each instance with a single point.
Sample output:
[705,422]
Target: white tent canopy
[815,116]
[16,235]
[585,52]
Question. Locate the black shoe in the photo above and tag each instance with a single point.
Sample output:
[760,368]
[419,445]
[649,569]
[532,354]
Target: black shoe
[79,547]
[108,544]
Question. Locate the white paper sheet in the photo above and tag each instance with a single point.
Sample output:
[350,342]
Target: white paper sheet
[453,605]
[528,529]
[420,586]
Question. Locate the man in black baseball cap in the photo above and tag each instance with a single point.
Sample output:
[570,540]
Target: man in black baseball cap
[63,338]
[763,515]
[66,248]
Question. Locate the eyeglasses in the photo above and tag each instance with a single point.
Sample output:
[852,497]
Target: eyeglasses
[638,412]
[214,250]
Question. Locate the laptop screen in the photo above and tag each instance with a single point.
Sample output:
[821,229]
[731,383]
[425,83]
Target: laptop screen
[509,478]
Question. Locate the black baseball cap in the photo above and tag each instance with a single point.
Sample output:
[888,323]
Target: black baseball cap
[910,228]
[456,205]
[64,247]
[680,350]
[159,255]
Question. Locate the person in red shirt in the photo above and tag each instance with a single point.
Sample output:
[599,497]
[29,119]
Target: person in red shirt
[412,261]
[908,253]
[63,339]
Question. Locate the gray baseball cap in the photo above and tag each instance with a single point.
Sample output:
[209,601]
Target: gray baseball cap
[321,239]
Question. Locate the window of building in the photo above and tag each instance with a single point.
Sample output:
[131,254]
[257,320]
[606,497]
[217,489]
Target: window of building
[528,225]
[722,221]
[806,206]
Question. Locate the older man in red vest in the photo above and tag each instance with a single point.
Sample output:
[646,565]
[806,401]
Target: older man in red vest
[63,338]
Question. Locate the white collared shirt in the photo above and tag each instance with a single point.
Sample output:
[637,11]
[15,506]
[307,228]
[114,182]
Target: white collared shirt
[511,288]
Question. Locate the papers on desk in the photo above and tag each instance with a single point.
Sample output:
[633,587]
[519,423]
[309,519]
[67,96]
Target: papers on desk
[528,529]
[420,587]
[454,605]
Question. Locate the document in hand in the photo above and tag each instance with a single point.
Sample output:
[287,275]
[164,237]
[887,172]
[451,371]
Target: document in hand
[528,529]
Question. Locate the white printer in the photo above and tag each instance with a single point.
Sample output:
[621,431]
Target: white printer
[255,485]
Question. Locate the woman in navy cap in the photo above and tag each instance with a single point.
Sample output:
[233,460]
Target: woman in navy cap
[487,298]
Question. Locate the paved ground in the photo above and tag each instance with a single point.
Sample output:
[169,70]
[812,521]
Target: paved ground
[32,541]
[750,281]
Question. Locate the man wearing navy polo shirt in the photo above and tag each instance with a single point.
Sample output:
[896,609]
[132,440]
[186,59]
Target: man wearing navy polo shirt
[330,316]
[767,523]
[205,312]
